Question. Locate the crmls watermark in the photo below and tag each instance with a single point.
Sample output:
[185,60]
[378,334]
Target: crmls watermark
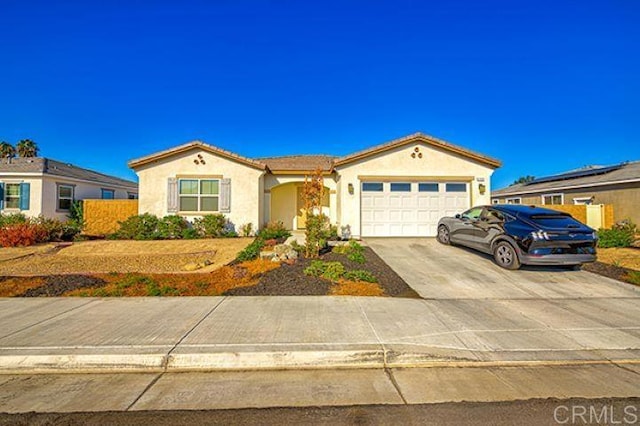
[596,415]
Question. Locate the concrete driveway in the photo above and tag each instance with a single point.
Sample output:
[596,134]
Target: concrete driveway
[437,271]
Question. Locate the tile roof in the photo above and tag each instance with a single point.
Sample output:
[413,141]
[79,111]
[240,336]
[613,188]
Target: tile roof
[628,172]
[189,146]
[419,137]
[299,162]
[58,168]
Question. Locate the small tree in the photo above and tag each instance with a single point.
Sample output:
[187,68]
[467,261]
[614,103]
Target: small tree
[523,179]
[317,225]
[27,148]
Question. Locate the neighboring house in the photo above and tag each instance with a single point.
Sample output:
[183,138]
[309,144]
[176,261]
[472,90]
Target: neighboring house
[41,186]
[400,188]
[618,185]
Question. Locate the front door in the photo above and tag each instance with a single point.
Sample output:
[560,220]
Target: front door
[301,216]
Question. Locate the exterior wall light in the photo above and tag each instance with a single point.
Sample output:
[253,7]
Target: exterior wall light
[350,188]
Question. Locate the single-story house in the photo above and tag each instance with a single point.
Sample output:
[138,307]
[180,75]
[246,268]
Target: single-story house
[42,186]
[399,188]
[618,185]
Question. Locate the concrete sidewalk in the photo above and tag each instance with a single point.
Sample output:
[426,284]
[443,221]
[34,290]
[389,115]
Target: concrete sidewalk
[238,333]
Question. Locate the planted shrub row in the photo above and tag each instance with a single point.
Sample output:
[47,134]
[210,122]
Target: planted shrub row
[16,230]
[622,234]
[150,227]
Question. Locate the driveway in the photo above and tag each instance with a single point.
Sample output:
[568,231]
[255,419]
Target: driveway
[437,271]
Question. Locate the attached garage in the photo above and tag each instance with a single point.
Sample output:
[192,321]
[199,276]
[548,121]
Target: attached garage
[409,209]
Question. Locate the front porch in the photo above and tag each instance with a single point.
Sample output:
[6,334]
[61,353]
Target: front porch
[285,203]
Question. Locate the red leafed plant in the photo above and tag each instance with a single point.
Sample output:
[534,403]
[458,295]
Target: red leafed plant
[22,234]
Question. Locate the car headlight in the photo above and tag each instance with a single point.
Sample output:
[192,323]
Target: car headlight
[539,235]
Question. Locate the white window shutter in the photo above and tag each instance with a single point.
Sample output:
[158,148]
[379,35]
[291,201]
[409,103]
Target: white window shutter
[172,195]
[225,196]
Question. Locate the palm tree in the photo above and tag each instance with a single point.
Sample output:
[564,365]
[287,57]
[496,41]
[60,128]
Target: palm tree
[7,150]
[27,148]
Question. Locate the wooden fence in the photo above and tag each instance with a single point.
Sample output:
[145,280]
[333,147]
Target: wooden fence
[101,217]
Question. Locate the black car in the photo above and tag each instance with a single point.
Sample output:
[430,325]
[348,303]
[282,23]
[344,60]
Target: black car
[518,234]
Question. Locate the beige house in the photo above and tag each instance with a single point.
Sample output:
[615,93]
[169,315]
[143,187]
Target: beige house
[617,185]
[42,186]
[400,188]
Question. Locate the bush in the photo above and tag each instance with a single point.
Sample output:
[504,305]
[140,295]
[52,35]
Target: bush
[140,227]
[246,230]
[22,234]
[12,219]
[252,251]
[274,230]
[354,251]
[57,230]
[211,226]
[331,271]
[316,269]
[360,275]
[622,234]
[172,227]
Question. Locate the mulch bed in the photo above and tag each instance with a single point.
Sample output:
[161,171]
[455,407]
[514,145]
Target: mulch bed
[610,271]
[289,280]
[57,285]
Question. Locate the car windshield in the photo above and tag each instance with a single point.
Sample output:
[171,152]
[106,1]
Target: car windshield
[555,221]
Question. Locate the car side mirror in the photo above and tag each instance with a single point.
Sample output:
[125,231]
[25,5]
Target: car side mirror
[458,216]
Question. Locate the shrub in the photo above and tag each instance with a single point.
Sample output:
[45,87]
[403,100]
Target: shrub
[331,271]
[246,230]
[316,269]
[172,227]
[274,230]
[140,227]
[76,214]
[360,275]
[622,234]
[22,234]
[57,230]
[211,225]
[354,251]
[189,234]
[12,219]
[252,251]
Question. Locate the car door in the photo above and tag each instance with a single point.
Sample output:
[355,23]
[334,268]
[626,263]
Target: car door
[464,231]
[490,224]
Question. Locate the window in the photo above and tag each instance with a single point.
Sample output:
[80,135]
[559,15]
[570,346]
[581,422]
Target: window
[372,186]
[12,196]
[400,187]
[456,187]
[132,196]
[65,197]
[108,194]
[552,199]
[472,214]
[427,187]
[199,195]
[516,200]
[583,200]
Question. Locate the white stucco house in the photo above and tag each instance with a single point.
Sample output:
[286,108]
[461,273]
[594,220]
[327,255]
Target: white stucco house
[400,188]
[42,186]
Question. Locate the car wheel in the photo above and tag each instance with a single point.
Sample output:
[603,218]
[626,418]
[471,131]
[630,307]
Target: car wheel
[506,256]
[443,235]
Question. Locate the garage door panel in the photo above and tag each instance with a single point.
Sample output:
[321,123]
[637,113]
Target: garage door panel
[414,213]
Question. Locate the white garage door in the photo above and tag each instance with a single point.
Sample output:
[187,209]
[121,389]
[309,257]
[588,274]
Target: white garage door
[409,209]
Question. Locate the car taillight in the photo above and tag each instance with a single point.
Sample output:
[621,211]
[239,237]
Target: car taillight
[539,235]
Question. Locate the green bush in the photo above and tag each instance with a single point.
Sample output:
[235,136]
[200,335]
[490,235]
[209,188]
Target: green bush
[333,271]
[622,234]
[246,230]
[140,227]
[172,227]
[12,219]
[252,251]
[274,230]
[57,230]
[211,225]
[189,234]
[354,251]
[316,269]
[360,275]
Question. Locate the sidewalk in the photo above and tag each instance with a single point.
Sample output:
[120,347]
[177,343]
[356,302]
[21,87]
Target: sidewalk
[238,333]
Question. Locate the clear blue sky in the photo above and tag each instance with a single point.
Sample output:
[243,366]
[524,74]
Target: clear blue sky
[545,86]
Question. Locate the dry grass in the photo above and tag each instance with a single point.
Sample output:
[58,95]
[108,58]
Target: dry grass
[13,286]
[212,284]
[625,257]
[11,253]
[356,288]
[96,257]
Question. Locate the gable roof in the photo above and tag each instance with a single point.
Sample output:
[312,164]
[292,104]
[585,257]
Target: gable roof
[583,178]
[418,137]
[299,163]
[48,166]
[191,145]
